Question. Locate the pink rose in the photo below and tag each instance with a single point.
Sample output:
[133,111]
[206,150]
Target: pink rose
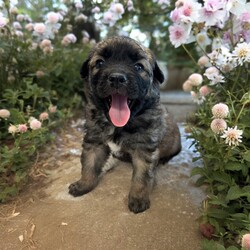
[205,90]
[52,109]
[29,26]
[53,17]
[220,110]
[35,124]
[45,43]
[218,126]
[3,21]
[40,28]
[187,86]
[12,129]
[43,116]
[196,79]
[246,241]
[22,128]
[40,74]
[4,113]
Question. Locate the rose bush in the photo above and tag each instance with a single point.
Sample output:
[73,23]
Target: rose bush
[39,71]
[220,32]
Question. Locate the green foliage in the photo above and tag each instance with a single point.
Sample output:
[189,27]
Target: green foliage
[16,159]
[226,168]
[19,147]
[33,81]
[213,245]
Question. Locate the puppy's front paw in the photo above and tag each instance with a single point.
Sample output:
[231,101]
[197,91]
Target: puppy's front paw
[138,205]
[78,188]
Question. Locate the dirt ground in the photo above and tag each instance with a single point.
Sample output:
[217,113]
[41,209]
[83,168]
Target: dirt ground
[45,216]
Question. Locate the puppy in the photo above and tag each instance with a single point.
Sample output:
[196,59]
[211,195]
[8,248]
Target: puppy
[124,118]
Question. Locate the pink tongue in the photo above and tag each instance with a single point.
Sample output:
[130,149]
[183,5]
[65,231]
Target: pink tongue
[119,112]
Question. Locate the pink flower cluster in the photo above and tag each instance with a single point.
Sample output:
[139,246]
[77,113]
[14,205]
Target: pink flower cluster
[33,123]
[78,4]
[49,28]
[230,49]
[114,13]
[189,15]
[68,39]
[215,65]
[46,46]
[194,85]
[218,125]
[219,111]
[21,22]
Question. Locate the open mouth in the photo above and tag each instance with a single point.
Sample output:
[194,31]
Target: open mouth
[119,109]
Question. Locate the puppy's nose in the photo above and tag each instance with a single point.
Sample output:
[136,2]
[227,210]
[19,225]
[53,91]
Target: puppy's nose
[116,79]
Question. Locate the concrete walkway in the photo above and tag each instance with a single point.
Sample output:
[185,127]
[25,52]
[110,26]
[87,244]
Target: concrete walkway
[179,103]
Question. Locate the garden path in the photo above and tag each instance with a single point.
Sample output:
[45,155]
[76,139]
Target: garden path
[46,217]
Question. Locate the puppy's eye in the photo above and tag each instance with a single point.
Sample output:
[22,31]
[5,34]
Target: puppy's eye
[138,67]
[99,63]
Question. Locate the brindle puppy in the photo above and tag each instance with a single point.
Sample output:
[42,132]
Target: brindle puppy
[124,118]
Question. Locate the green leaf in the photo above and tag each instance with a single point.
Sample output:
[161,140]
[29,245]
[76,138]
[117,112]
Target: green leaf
[212,245]
[222,187]
[220,247]
[246,155]
[58,69]
[244,170]
[196,171]
[217,213]
[201,181]
[245,98]
[234,193]
[239,216]
[216,201]
[233,166]
[215,223]
[246,189]
[16,116]
[232,248]
[222,177]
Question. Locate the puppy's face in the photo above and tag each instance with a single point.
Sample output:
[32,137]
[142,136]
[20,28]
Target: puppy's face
[122,77]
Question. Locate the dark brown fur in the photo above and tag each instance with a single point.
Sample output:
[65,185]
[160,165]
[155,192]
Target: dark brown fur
[150,137]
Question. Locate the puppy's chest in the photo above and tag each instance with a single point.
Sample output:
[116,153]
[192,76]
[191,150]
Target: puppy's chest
[114,148]
[118,152]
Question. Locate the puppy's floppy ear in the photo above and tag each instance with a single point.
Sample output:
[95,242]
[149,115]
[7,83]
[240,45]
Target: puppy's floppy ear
[158,75]
[85,69]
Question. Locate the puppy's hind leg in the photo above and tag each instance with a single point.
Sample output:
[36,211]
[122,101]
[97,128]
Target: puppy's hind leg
[93,158]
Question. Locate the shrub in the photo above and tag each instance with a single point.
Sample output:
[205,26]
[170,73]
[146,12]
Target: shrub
[221,126]
[40,86]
